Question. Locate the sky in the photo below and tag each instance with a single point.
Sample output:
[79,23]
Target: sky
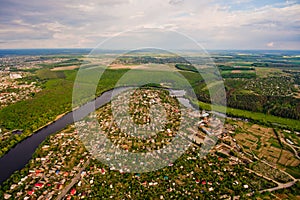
[213,24]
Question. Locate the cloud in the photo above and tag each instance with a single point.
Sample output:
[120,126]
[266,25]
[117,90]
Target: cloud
[270,44]
[174,2]
[237,24]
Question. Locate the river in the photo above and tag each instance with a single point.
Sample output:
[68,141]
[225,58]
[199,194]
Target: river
[20,155]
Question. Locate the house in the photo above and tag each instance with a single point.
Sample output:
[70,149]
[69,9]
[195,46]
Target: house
[205,115]
[59,186]
[7,196]
[289,141]
[38,185]
[15,76]
[73,191]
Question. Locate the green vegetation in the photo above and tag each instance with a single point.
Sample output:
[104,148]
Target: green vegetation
[270,172]
[55,99]
[254,116]
[237,71]
[186,67]
[69,62]
[48,74]
[274,143]
[294,171]
[249,97]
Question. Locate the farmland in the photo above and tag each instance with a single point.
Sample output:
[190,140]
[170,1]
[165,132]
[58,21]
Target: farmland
[263,142]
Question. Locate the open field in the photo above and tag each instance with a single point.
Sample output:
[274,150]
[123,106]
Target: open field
[160,67]
[265,72]
[65,68]
[264,143]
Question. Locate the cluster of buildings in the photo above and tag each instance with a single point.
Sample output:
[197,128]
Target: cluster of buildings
[51,170]
[26,62]
[61,159]
[115,123]
[181,179]
[13,89]
[149,117]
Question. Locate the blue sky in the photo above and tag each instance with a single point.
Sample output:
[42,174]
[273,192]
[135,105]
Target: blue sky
[215,24]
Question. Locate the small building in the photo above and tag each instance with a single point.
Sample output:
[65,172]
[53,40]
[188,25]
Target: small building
[289,141]
[73,191]
[14,76]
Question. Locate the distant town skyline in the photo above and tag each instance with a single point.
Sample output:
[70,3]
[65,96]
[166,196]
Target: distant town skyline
[214,24]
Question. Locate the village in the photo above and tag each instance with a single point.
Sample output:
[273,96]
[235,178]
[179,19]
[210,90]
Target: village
[58,160]
[13,88]
[63,168]
[16,78]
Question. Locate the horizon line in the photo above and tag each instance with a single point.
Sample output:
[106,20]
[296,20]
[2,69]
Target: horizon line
[82,48]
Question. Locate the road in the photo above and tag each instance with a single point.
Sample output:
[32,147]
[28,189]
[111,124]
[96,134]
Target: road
[292,147]
[73,182]
[280,186]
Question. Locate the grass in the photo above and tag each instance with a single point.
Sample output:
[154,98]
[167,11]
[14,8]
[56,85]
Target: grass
[48,74]
[274,143]
[246,64]
[294,171]
[214,84]
[265,72]
[186,67]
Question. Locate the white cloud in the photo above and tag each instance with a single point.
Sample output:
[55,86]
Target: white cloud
[270,44]
[73,23]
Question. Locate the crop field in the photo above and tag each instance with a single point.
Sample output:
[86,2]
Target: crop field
[263,142]
[71,67]
[264,72]
[237,71]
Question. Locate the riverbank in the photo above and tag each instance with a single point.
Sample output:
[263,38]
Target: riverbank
[17,157]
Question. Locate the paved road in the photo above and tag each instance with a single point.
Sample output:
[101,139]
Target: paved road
[280,186]
[73,182]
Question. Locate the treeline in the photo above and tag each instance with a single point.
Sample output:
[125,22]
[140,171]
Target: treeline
[275,65]
[186,67]
[287,107]
[228,68]
[69,62]
[148,59]
[238,75]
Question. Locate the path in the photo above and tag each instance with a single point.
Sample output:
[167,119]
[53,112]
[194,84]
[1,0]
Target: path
[74,180]
[292,147]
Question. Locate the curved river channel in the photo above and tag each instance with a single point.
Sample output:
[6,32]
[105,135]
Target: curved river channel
[20,155]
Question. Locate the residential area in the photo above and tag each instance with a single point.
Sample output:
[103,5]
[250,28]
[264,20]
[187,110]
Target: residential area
[63,168]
